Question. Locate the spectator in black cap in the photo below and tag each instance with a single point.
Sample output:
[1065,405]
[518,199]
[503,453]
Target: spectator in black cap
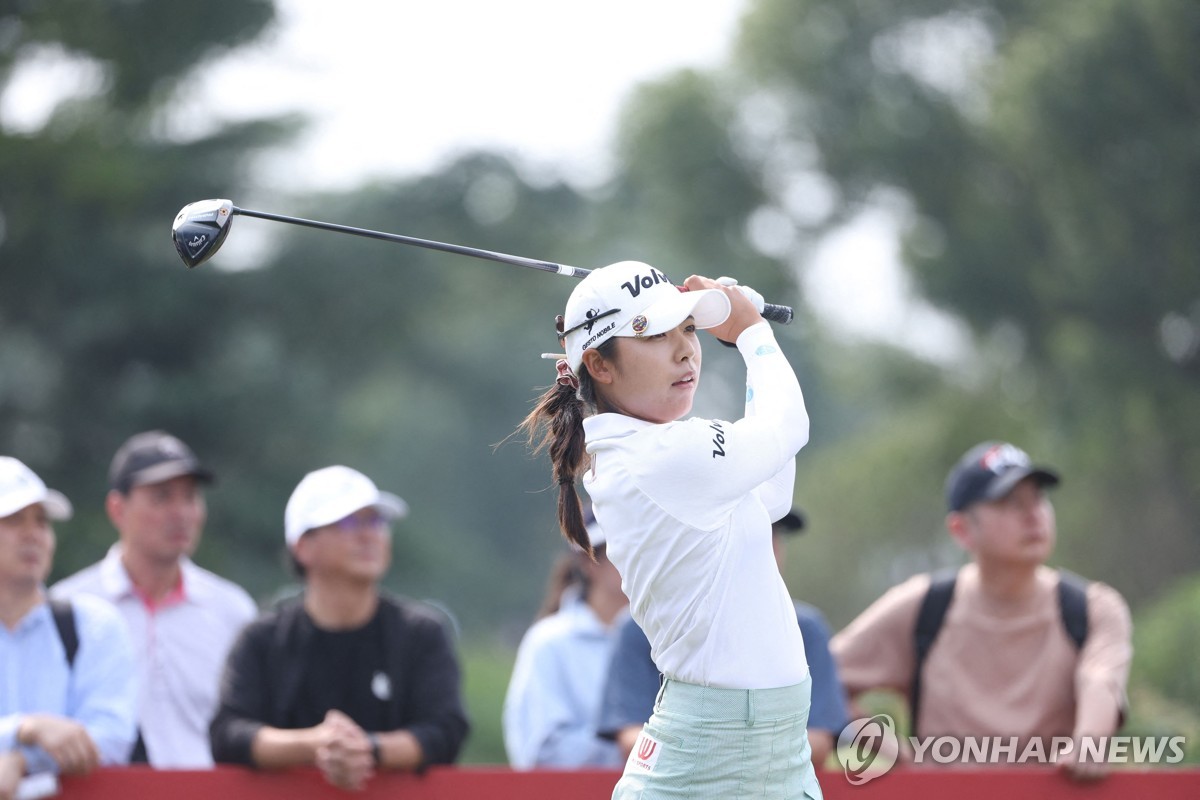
[182,618]
[1004,646]
[633,679]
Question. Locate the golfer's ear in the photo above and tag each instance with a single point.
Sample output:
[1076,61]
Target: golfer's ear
[599,367]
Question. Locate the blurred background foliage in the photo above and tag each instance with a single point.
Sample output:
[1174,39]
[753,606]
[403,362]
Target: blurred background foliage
[1041,161]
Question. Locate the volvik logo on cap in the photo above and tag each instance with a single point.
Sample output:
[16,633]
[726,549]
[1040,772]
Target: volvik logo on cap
[634,300]
[639,282]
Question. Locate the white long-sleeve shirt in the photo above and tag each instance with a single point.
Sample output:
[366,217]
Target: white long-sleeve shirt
[687,507]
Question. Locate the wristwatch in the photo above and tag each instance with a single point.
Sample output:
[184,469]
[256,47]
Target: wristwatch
[376,754]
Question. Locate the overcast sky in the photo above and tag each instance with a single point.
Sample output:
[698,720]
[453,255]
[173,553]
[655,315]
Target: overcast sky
[402,87]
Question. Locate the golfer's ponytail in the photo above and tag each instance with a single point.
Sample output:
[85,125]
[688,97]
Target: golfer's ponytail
[556,425]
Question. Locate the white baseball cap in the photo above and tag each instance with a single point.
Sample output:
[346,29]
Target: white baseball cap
[630,298]
[327,495]
[21,487]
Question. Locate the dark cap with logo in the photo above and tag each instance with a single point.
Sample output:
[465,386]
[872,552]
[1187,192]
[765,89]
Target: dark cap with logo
[153,457]
[791,522]
[989,471]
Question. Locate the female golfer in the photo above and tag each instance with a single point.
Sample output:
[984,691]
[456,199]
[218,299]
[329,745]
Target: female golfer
[687,507]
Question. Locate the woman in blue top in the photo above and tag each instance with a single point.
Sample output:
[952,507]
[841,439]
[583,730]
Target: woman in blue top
[687,506]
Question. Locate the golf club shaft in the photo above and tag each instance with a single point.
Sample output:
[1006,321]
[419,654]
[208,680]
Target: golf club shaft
[474,252]
[771,311]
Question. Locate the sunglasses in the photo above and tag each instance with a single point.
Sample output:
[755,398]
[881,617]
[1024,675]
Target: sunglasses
[358,522]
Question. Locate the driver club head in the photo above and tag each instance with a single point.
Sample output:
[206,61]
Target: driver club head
[200,228]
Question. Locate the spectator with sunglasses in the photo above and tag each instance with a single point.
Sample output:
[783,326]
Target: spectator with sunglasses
[344,677]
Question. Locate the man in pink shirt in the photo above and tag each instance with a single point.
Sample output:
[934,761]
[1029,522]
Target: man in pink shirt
[182,618]
[1007,659]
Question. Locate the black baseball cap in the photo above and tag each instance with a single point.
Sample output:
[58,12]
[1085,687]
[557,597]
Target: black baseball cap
[989,471]
[791,522]
[153,457]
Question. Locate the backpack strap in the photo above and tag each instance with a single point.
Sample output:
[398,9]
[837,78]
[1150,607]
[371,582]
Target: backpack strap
[929,621]
[64,620]
[1072,604]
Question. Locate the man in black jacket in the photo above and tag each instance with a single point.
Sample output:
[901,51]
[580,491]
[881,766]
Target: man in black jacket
[344,677]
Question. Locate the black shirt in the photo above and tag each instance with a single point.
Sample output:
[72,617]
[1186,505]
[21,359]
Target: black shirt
[397,672]
[344,670]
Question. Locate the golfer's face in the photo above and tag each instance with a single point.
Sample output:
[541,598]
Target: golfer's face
[655,377]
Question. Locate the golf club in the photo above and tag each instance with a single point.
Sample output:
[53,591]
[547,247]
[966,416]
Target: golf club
[201,228]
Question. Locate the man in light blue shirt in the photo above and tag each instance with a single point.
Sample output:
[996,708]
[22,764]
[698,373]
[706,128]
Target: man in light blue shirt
[67,692]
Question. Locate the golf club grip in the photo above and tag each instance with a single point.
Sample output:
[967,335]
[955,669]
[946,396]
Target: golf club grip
[771,312]
[777,313]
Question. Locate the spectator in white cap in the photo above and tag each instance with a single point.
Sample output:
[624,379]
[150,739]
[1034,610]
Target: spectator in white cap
[344,677]
[67,668]
[552,706]
[182,618]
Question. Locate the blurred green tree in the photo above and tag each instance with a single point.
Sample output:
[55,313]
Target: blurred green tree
[96,340]
[1043,162]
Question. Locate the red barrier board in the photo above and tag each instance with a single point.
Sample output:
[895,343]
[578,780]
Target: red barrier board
[499,783]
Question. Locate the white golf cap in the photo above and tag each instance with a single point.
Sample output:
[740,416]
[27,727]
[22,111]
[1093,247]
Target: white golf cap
[327,495]
[21,487]
[630,298]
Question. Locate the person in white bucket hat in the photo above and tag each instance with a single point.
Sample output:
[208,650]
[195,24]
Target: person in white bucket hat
[70,694]
[686,505]
[345,677]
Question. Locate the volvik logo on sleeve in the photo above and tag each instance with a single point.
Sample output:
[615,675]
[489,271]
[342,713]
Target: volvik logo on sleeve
[718,439]
[639,282]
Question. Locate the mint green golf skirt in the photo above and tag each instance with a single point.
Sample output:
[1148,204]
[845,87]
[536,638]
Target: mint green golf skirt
[723,744]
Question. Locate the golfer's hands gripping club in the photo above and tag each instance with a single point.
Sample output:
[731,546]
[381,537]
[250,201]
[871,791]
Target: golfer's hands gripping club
[742,314]
[755,297]
[770,311]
